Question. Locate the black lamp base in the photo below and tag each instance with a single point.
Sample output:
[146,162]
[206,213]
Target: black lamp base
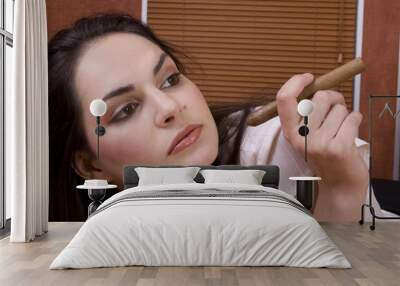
[305,193]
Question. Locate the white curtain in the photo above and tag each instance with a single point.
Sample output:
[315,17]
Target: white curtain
[27,144]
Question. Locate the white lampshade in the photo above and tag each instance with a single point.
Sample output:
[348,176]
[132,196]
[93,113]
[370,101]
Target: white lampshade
[305,107]
[98,107]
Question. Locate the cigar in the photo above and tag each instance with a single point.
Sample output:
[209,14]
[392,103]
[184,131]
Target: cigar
[326,81]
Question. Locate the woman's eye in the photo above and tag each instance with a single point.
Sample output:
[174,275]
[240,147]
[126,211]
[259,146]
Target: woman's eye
[125,112]
[172,80]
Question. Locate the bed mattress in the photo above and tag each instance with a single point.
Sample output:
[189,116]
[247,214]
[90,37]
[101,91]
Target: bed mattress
[201,225]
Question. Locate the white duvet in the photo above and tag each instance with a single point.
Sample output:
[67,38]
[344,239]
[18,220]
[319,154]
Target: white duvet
[183,231]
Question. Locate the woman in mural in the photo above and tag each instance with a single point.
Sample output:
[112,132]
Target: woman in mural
[150,100]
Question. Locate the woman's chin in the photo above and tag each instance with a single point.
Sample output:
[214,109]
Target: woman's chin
[195,157]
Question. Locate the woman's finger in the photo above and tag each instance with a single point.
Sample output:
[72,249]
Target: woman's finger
[286,100]
[323,101]
[332,122]
[348,131]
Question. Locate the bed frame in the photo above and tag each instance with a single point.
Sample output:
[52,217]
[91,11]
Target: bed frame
[270,179]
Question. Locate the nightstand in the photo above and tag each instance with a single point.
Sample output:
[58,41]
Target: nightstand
[305,190]
[96,193]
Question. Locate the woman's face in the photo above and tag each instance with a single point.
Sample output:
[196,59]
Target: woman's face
[148,104]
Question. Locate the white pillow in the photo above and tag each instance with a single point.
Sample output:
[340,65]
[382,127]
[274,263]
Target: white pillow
[249,177]
[166,175]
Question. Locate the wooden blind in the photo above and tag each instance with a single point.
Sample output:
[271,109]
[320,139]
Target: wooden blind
[240,49]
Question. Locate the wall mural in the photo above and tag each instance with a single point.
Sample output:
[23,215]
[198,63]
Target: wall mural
[154,115]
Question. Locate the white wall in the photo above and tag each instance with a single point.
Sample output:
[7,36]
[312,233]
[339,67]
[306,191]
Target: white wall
[144,11]
[358,52]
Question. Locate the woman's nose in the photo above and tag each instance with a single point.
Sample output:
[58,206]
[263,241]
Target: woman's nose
[167,109]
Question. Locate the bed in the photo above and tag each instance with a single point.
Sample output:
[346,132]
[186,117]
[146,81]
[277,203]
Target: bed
[201,224]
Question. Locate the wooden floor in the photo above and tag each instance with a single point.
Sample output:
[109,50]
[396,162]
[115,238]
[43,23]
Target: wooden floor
[374,255]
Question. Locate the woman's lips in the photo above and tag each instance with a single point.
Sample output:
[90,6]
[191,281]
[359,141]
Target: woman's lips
[187,141]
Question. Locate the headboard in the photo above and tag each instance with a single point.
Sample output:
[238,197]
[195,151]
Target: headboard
[270,179]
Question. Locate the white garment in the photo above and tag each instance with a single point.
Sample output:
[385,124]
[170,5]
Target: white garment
[265,144]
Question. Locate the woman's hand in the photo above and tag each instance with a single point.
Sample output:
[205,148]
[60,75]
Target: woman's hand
[331,150]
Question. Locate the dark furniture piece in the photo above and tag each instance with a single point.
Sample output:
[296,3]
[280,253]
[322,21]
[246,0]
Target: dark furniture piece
[370,122]
[305,185]
[387,193]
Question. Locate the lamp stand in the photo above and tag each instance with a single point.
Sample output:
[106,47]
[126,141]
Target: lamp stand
[303,131]
[100,131]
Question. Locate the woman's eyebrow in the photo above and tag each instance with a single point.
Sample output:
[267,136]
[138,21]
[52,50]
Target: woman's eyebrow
[130,87]
[119,91]
[160,63]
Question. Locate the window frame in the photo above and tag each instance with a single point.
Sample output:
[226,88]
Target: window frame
[6,39]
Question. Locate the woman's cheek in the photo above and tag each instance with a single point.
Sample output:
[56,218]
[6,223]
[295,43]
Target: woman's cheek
[190,91]
[125,149]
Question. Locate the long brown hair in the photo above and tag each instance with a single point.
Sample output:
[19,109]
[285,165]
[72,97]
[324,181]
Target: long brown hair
[66,131]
